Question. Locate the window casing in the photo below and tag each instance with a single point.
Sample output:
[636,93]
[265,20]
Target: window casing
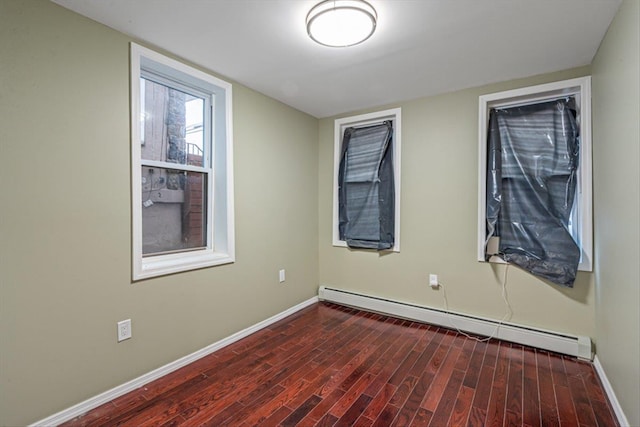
[182,175]
[580,225]
[361,121]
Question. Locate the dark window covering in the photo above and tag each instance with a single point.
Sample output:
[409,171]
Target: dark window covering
[366,187]
[532,159]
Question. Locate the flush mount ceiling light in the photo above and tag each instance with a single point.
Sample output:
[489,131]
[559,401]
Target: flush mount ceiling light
[341,23]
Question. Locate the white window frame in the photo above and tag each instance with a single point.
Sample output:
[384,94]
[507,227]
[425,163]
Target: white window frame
[394,115]
[580,88]
[220,248]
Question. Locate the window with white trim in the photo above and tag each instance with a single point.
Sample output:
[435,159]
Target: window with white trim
[182,174]
[366,191]
[543,169]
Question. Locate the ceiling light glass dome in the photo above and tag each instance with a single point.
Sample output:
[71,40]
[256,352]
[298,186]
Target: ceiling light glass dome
[341,23]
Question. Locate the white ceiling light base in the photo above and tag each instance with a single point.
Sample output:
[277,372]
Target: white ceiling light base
[341,23]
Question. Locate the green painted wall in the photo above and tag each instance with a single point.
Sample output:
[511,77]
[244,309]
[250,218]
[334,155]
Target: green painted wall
[616,153]
[66,220]
[439,211]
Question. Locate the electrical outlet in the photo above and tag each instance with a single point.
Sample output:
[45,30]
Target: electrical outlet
[124,330]
[281,276]
[433,281]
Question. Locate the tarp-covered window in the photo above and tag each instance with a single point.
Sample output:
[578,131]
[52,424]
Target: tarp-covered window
[366,187]
[532,160]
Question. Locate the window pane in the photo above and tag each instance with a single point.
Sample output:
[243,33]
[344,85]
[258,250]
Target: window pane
[173,124]
[174,207]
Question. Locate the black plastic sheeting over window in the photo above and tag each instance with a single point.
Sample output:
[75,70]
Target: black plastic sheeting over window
[532,159]
[366,187]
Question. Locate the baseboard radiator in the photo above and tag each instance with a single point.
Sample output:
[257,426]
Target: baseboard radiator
[578,346]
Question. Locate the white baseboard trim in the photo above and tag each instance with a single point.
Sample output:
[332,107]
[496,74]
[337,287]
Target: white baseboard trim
[578,346]
[613,399]
[94,402]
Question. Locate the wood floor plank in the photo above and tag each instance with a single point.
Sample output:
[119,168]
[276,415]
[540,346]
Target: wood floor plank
[379,402]
[444,410]
[557,370]
[581,401]
[426,331]
[566,410]
[275,419]
[422,418]
[603,413]
[362,422]
[216,398]
[350,416]
[530,394]
[352,395]
[477,417]
[478,414]
[349,370]
[404,378]
[462,407]
[172,380]
[387,416]
[433,355]
[548,407]
[403,391]
[275,404]
[301,411]
[497,401]
[323,408]
[241,415]
[174,422]
[465,356]
[592,383]
[327,421]
[412,405]
[338,374]
[315,385]
[475,365]
[513,409]
[395,359]
[330,365]
[215,419]
[378,347]
[440,381]
[266,380]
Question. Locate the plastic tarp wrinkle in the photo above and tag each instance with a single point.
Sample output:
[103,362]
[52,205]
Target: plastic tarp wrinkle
[366,187]
[532,160]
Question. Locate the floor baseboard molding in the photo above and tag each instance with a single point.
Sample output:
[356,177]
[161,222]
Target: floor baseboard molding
[613,399]
[578,346]
[102,398]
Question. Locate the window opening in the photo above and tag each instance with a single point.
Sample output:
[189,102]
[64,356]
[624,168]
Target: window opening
[184,125]
[366,197]
[366,193]
[535,179]
[532,160]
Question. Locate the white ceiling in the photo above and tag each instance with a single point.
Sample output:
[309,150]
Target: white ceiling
[420,47]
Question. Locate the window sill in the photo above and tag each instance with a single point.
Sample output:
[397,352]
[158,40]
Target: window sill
[343,244]
[161,265]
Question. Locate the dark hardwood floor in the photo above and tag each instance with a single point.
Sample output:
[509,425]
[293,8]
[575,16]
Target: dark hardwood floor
[329,365]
